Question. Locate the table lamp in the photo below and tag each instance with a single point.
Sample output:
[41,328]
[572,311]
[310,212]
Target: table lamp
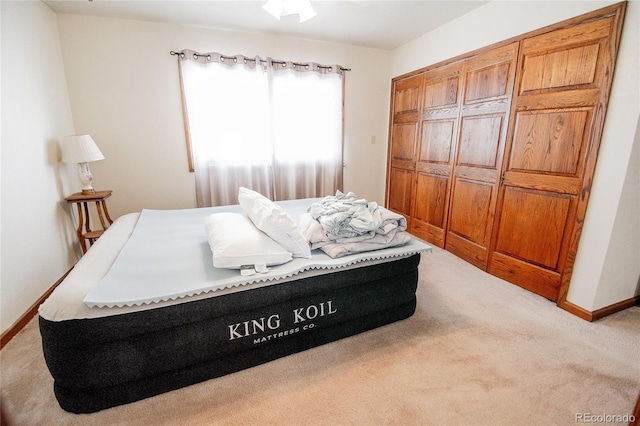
[81,149]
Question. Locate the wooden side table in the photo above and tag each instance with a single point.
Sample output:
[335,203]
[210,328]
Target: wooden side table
[82,201]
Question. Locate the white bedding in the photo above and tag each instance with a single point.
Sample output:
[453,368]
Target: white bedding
[166,258]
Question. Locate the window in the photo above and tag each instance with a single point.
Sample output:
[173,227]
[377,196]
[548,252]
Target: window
[272,126]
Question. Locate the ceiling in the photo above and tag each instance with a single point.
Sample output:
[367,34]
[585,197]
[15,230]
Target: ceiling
[370,23]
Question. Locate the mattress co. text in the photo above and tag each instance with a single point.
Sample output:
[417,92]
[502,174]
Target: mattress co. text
[272,324]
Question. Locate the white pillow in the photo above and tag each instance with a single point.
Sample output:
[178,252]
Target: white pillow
[235,242]
[274,221]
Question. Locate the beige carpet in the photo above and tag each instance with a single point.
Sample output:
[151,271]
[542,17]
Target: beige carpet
[477,351]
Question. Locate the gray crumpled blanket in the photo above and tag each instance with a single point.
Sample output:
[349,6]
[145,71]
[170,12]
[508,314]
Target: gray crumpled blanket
[344,224]
[344,215]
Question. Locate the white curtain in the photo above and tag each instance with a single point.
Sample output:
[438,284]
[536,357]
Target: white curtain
[272,126]
[307,122]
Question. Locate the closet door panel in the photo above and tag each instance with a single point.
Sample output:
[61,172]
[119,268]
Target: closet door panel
[400,186]
[438,134]
[549,70]
[437,138]
[550,141]
[533,227]
[404,144]
[469,220]
[407,95]
[402,169]
[480,140]
[441,89]
[407,98]
[566,58]
[430,214]
[488,87]
[541,281]
[489,81]
[550,154]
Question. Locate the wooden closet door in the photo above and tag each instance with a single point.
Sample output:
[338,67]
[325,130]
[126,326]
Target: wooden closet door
[484,113]
[407,95]
[551,152]
[434,162]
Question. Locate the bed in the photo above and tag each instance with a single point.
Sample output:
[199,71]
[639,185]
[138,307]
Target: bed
[104,349]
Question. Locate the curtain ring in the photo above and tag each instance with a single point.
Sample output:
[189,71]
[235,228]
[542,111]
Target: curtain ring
[208,57]
[195,56]
[330,68]
[244,60]
[182,55]
[306,67]
[235,60]
[221,59]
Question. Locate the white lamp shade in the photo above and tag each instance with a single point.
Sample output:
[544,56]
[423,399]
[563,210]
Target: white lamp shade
[80,149]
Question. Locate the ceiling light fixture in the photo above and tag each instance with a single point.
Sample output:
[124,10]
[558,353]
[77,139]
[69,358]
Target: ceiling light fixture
[279,8]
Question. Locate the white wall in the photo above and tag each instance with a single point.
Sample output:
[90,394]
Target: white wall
[608,262]
[37,233]
[124,91]
[618,274]
[607,268]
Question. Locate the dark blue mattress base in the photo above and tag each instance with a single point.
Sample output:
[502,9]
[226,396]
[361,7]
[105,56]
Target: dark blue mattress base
[105,362]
